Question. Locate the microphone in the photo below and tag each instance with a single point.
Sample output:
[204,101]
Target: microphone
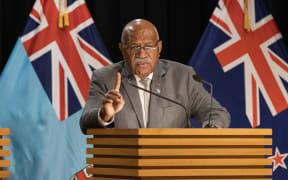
[200,79]
[163,97]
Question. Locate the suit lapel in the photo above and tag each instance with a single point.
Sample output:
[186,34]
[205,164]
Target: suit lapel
[154,106]
[132,94]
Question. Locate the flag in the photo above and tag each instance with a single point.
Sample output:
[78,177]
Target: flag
[44,87]
[249,69]
[82,174]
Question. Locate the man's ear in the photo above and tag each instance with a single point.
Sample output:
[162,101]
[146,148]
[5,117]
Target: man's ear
[122,49]
[120,46]
[159,47]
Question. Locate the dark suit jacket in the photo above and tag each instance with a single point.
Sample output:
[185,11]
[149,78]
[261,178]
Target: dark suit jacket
[170,79]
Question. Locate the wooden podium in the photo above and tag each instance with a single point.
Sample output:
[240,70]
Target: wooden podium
[202,154]
[4,153]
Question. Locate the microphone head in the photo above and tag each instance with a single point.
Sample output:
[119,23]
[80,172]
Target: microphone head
[197,78]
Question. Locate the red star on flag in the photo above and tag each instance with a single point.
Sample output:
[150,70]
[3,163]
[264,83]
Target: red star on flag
[278,159]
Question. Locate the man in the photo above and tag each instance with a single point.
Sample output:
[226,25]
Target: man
[114,102]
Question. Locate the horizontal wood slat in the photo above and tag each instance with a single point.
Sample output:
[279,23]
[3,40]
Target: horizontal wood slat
[5,174]
[180,141]
[4,131]
[4,152]
[4,163]
[181,152]
[178,162]
[180,172]
[4,142]
[181,131]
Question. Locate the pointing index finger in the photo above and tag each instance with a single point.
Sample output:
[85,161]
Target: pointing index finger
[118,82]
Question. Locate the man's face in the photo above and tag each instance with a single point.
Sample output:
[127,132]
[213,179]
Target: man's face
[141,51]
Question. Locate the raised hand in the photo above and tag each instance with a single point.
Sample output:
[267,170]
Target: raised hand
[113,101]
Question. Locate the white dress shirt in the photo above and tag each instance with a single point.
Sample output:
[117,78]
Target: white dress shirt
[141,95]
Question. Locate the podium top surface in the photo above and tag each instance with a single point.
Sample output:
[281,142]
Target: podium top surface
[181,131]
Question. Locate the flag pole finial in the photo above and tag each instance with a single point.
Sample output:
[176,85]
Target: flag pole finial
[60,16]
[63,18]
[66,15]
[246,17]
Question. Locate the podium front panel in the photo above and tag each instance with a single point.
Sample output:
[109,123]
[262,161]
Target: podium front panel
[180,154]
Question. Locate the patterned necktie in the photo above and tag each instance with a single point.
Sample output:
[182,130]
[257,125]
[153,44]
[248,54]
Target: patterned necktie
[146,96]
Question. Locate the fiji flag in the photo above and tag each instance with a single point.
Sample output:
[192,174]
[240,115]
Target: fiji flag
[44,87]
[249,69]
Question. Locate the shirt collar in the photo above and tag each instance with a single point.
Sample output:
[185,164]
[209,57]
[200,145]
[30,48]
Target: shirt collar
[150,76]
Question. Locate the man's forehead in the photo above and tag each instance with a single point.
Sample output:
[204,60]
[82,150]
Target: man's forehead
[139,29]
[141,35]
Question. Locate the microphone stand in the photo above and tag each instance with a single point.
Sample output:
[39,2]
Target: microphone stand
[200,79]
[167,99]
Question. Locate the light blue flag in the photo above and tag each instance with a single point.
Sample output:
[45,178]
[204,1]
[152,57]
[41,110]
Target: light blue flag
[43,89]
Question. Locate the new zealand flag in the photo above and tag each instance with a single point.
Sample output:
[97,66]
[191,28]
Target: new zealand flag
[249,70]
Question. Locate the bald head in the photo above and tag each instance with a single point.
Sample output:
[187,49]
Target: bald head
[140,47]
[138,27]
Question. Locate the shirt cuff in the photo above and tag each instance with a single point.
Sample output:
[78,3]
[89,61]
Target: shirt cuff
[103,123]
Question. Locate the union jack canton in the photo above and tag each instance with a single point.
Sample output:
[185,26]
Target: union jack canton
[63,58]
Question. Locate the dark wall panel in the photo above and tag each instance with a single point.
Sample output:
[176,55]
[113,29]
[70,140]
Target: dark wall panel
[180,22]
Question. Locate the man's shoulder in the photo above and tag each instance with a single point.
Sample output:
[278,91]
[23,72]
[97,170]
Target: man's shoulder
[116,67]
[170,65]
[107,73]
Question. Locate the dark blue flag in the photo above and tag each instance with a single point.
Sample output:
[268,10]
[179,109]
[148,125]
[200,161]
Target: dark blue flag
[249,70]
